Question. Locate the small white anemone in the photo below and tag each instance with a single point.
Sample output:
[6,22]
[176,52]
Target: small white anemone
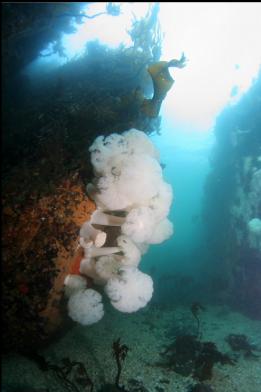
[162,231]
[139,224]
[143,247]
[133,180]
[132,254]
[161,203]
[139,179]
[130,291]
[108,266]
[87,266]
[104,149]
[108,195]
[140,143]
[85,307]
[74,283]
[90,234]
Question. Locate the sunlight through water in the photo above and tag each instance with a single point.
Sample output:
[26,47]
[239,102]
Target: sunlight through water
[220,40]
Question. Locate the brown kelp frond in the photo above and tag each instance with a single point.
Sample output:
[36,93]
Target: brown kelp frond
[188,356]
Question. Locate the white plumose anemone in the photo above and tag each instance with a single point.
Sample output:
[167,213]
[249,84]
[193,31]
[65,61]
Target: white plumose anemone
[130,291]
[85,307]
[133,202]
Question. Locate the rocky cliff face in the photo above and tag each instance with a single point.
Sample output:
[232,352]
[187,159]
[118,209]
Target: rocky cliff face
[232,207]
[39,249]
[47,130]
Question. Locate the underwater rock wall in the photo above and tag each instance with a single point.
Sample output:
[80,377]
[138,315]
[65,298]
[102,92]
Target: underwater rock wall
[102,91]
[48,127]
[39,250]
[232,208]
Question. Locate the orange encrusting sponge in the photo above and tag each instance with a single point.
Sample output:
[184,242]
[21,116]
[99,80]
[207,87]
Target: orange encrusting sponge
[76,263]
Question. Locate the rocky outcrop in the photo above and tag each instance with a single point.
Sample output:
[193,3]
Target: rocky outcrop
[232,207]
[39,249]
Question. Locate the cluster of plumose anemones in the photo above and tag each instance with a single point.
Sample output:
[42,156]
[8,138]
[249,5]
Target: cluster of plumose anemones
[132,201]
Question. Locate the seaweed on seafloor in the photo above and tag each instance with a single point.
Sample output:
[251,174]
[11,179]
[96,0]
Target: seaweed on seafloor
[206,359]
[71,375]
[189,356]
[195,308]
[134,385]
[239,342]
[119,352]
[200,387]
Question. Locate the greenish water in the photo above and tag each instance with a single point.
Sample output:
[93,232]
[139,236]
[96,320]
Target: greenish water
[185,152]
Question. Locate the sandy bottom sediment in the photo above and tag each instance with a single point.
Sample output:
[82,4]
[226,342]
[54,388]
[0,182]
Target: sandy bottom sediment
[146,333]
